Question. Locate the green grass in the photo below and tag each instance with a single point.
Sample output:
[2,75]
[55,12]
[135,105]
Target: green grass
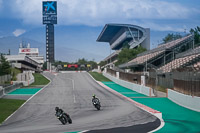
[99,76]
[8,106]
[40,79]
[161,88]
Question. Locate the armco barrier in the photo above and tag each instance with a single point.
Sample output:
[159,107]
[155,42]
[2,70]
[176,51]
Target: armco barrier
[10,88]
[190,102]
[135,87]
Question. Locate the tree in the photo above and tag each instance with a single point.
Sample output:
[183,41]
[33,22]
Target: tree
[126,45]
[82,61]
[196,33]
[44,67]
[5,67]
[102,63]
[171,37]
[127,54]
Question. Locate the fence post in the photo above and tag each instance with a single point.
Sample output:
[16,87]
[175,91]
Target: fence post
[117,75]
[167,93]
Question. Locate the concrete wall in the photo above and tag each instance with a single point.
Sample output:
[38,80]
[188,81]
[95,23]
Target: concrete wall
[138,88]
[5,78]
[190,102]
[27,81]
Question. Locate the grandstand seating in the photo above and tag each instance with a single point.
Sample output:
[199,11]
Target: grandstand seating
[175,42]
[144,58]
[159,52]
[180,62]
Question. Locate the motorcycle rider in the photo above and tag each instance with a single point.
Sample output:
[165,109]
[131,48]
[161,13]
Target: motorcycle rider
[61,111]
[58,110]
[94,97]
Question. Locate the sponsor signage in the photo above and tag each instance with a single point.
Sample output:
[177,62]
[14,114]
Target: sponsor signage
[73,65]
[49,10]
[28,50]
[65,65]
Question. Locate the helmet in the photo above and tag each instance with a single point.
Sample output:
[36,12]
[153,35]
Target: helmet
[93,95]
[56,108]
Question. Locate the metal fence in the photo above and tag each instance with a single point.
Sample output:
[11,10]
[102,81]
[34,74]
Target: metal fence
[111,72]
[131,77]
[183,81]
[187,82]
[134,78]
[12,87]
[9,88]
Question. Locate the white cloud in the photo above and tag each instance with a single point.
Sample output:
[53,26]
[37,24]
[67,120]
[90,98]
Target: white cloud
[99,12]
[18,32]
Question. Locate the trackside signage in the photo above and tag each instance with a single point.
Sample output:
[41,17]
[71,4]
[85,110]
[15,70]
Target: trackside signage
[49,11]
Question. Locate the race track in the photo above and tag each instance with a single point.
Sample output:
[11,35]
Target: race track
[73,92]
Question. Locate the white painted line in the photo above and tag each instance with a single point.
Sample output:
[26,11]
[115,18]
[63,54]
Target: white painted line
[73,88]
[72,82]
[74,99]
[83,131]
[28,100]
[141,106]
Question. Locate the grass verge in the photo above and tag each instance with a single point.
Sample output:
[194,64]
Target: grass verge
[161,88]
[39,79]
[99,76]
[8,106]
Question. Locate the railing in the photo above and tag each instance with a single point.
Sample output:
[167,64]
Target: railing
[120,39]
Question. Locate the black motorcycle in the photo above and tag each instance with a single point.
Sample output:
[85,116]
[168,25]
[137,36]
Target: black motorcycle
[96,103]
[63,117]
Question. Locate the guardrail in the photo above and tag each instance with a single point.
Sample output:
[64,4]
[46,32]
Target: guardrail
[10,88]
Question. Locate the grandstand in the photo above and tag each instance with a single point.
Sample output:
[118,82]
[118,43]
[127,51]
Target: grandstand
[118,34]
[164,56]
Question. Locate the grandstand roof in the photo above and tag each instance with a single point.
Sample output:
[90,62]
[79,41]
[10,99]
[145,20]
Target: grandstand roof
[110,30]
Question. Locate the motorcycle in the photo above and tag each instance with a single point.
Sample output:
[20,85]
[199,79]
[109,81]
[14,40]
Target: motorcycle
[96,103]
[64,118]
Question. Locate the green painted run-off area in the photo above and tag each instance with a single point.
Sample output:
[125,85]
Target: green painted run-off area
[24,91]
[177,118]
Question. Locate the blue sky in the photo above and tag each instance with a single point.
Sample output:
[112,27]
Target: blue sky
[85,18]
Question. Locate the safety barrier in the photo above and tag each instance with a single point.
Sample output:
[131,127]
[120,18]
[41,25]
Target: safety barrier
[190,102]
[135,87]
[10,88]
[1,91]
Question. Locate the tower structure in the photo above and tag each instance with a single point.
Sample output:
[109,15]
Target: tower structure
[49,9]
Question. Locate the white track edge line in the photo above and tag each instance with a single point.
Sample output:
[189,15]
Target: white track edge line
[83,131]
[162,123]
[27,100]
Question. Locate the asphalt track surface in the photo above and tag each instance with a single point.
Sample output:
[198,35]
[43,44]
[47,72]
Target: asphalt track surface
[72,92]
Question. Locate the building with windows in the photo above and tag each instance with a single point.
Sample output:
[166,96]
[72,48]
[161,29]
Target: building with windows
[118,35]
